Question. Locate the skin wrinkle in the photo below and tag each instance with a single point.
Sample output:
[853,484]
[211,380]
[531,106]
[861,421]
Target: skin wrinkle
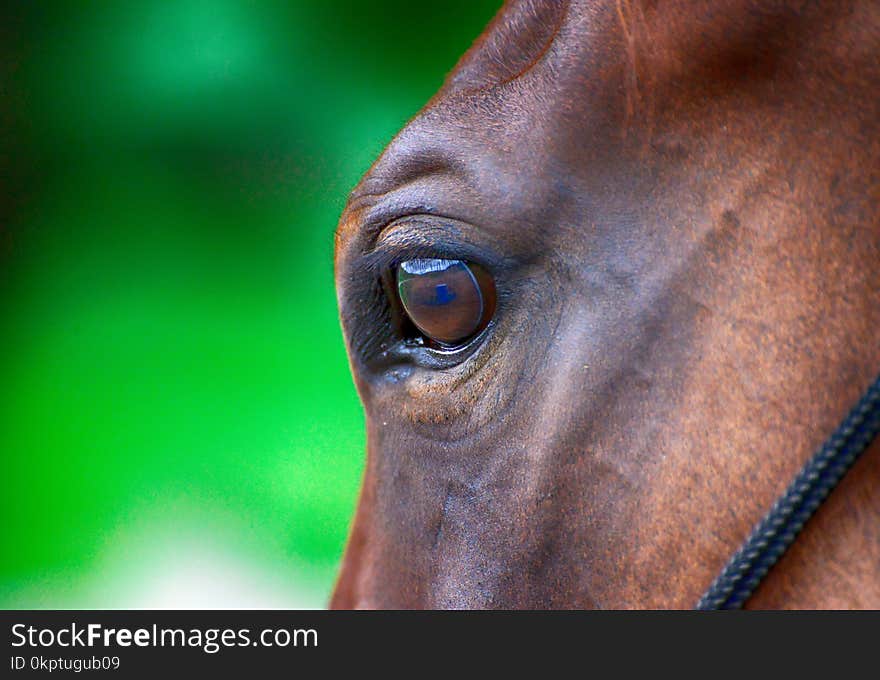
[633,95]
[518,20]
[542,53]
[690,304]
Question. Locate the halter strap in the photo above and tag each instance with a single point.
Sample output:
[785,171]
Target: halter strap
[773,535]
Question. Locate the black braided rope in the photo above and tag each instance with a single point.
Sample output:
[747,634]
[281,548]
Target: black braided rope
[776,532]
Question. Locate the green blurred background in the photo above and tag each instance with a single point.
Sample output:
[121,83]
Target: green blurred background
[178,427]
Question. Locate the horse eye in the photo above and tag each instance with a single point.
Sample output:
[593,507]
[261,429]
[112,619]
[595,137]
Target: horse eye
[449,301]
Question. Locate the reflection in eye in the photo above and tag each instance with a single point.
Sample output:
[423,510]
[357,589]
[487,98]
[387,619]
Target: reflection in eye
[449,301]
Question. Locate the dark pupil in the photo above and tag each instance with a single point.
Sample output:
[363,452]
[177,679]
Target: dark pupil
[444,298]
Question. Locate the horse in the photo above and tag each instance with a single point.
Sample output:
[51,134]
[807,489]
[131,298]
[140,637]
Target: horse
[604,295]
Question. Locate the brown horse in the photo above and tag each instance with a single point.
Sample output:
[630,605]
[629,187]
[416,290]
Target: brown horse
[605,294]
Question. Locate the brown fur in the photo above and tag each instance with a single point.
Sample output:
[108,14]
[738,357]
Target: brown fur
[684,202]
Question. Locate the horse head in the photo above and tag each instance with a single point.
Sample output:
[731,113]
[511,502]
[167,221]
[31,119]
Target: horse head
[604,295]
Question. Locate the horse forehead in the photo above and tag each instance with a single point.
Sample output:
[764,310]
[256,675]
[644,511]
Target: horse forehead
[496,101]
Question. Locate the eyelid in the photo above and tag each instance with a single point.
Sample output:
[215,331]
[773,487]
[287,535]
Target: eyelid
[421,228]
[422,236]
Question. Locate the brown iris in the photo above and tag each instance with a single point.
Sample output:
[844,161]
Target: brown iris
[449,301]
